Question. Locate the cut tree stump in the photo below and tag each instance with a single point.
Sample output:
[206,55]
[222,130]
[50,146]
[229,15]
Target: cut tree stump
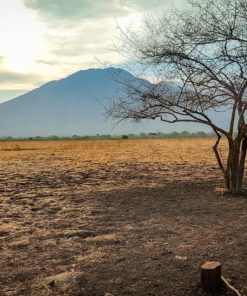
[211,276]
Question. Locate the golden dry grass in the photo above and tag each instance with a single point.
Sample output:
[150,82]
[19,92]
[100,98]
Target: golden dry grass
[168,159]
[108,151]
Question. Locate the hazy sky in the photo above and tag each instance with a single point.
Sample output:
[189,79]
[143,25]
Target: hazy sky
[43,40]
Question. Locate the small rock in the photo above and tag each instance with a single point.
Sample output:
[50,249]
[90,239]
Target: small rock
[181,257]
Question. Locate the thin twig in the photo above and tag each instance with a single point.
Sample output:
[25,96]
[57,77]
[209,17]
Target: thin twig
[230,286]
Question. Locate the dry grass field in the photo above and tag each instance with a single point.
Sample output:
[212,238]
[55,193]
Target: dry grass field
[119,217]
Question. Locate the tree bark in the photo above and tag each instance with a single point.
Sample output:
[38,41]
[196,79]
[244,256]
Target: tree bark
[236,164]
[242,159]
[233,171]
[220,161]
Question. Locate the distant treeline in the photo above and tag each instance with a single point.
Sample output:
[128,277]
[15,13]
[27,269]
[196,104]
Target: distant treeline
[158,135]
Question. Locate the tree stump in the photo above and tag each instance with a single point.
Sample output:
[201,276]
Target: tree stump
[211,276]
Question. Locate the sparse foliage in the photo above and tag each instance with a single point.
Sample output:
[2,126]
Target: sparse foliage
[199,57]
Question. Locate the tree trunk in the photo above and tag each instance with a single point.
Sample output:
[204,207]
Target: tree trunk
[235,165]
[233,171]
[242,159]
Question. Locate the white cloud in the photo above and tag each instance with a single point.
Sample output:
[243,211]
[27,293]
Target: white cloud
[21,36]
[76,10]
[53,38]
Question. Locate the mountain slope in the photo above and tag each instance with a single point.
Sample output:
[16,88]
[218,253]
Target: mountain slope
[73,105]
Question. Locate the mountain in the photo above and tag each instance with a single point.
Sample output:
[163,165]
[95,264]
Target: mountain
[73,105]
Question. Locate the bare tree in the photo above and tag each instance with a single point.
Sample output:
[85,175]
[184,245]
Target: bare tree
[199,57]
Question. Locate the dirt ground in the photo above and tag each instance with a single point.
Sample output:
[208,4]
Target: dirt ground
[101,218]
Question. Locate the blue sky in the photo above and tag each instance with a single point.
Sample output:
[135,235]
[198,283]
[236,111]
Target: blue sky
[43,40]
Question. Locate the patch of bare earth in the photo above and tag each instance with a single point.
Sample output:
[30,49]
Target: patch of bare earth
[117,217]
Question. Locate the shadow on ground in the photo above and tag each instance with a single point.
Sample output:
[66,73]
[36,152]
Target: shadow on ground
[135,241]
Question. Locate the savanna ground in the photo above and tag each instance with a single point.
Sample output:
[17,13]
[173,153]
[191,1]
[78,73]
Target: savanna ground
[116,217]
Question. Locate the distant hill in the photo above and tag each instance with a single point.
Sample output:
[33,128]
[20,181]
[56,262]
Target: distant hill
[73,106]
